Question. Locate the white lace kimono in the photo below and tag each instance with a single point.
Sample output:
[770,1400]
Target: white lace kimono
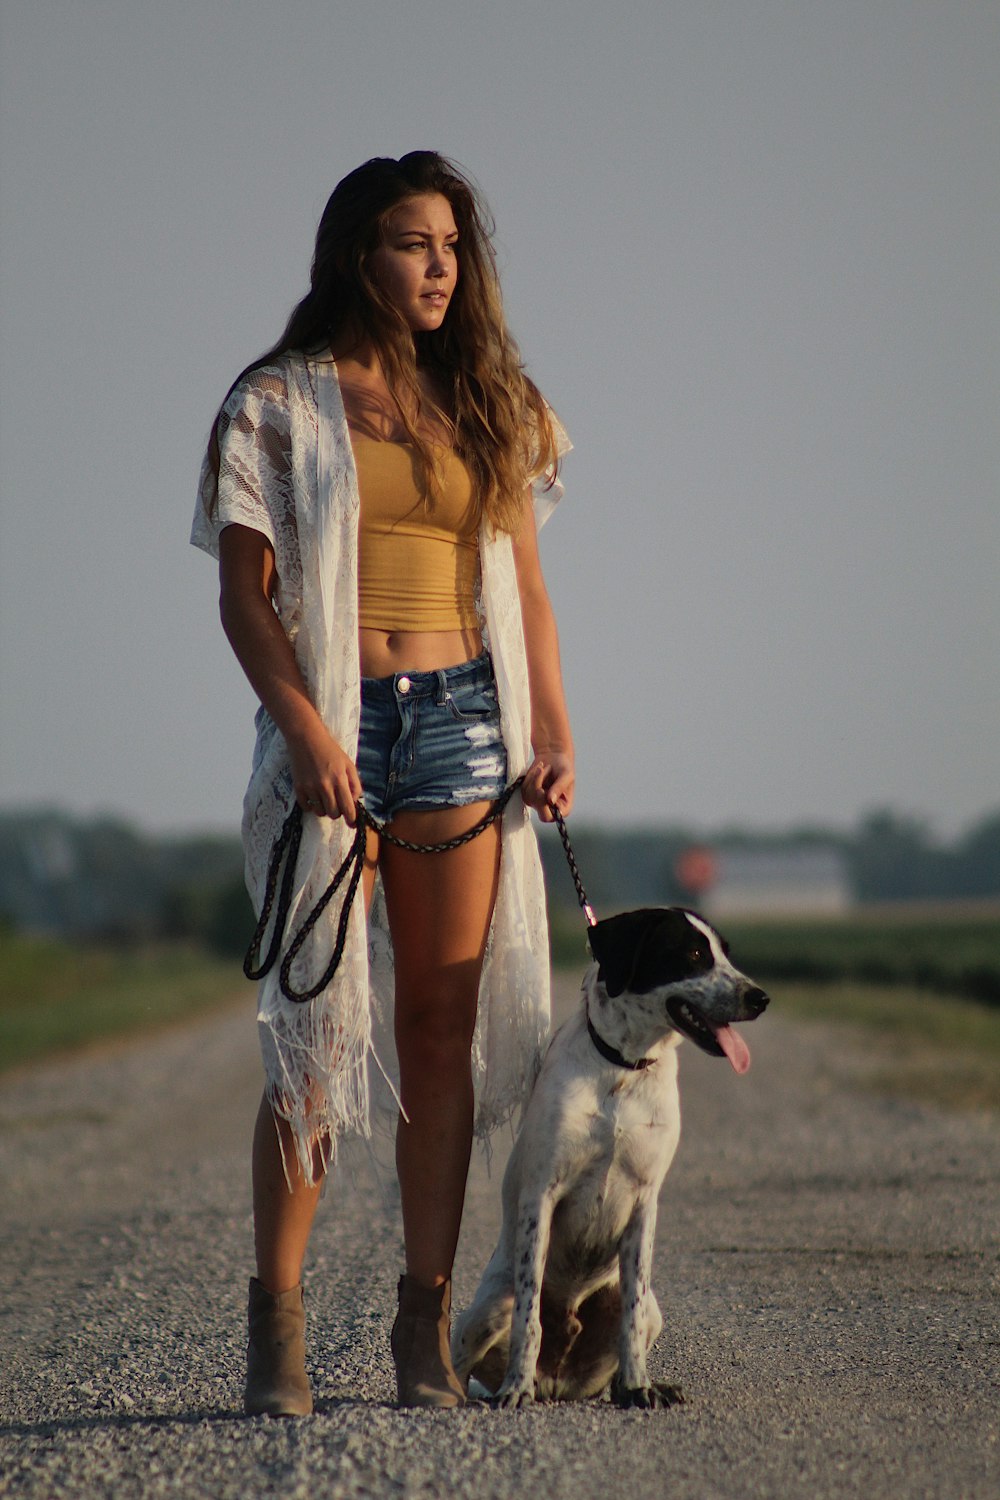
[287,470]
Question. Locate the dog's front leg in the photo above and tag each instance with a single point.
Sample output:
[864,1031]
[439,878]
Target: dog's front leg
[635,1261]
[531,1245]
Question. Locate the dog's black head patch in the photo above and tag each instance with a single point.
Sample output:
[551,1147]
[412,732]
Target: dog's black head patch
[641,950]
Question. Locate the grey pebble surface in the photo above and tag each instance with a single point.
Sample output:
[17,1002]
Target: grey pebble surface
[827,1264]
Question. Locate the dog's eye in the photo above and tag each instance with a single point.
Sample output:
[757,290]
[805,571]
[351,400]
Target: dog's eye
[696,955]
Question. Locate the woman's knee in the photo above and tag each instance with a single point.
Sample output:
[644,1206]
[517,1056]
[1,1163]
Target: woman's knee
[435,1027]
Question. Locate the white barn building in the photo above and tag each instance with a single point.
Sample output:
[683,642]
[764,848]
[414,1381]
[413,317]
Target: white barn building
[808,882]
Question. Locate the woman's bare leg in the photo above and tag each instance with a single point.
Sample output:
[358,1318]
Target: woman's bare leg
[439,908]
[283,1218]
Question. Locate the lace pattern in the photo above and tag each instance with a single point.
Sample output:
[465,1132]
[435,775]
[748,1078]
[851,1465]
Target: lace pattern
[287,470]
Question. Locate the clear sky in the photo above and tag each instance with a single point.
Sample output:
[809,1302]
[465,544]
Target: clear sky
[750,252]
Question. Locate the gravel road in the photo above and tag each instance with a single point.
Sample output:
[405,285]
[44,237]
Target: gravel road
[827,1263]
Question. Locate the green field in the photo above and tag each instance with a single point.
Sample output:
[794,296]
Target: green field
[924,948]
[935,949]
[55,997]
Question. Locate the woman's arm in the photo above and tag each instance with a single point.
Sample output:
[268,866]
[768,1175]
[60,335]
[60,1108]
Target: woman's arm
[551,775]
[325,778]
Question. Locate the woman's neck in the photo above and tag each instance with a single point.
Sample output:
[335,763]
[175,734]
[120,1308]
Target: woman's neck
[361,354]
[373,409]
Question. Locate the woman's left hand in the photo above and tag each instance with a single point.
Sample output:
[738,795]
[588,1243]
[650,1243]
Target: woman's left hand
[550,778]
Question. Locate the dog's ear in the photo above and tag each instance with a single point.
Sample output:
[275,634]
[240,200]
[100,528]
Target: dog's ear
[617,943]
[641,950]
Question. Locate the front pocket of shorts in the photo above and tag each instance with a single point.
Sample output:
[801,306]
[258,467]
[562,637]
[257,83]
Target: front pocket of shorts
[475,707]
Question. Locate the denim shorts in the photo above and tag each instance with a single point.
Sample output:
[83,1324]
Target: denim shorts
[431,739]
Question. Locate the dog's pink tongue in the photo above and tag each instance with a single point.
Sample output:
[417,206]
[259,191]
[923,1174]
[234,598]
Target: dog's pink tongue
[734,1047]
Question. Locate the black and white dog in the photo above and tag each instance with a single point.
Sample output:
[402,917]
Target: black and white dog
[565,1306]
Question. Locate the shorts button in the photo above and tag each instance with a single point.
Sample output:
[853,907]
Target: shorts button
[403,684]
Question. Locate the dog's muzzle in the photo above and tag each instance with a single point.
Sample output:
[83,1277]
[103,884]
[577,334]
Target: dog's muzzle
[719,1041]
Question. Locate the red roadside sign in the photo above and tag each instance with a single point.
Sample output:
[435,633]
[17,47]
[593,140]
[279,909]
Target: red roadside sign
[696,868]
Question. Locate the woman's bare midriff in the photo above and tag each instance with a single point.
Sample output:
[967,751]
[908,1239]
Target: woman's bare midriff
[384,652]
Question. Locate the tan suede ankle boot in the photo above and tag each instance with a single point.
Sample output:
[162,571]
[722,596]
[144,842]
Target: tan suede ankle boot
[277,1383]
[420,1340]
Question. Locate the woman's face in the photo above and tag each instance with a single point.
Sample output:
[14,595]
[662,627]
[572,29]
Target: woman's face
[416,265]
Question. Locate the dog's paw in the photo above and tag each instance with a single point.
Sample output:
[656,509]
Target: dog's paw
[511,1398]
[647,1397]
[666,1395]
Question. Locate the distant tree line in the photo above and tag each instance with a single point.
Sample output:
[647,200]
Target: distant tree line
[101,879]
[895,859]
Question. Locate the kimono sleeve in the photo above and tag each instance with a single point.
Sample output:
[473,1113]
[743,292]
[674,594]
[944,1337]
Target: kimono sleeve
[254,483]
[547,489]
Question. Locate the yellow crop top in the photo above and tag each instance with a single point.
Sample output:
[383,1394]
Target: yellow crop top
[418,560]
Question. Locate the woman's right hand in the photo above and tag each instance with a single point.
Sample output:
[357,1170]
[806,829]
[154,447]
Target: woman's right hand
[324,776]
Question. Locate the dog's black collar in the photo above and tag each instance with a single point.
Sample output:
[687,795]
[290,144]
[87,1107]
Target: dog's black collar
[612,1055]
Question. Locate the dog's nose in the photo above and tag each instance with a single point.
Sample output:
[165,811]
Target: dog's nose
[754,1001]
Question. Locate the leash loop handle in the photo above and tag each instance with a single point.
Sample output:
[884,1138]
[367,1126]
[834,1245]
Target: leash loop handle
[286,844]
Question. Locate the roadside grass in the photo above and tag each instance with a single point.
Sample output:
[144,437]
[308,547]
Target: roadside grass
[58,998]
[940,1049]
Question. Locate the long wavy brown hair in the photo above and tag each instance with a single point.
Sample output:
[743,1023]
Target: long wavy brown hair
[499,421]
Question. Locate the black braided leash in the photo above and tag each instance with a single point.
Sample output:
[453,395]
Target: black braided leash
[286,850]
[588,910]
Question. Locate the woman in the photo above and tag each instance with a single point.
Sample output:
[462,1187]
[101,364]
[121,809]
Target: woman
[367,491]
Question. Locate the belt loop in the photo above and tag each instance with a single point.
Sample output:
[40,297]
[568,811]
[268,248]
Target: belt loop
[443,694]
